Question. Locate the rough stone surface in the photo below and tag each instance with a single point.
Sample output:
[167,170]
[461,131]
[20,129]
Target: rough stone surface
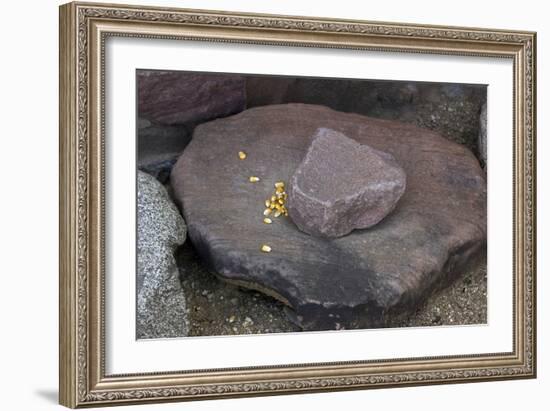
[437,228]
[177,97]
[161,308]
[158,142]
[158,147]
[341,185]
[482,142]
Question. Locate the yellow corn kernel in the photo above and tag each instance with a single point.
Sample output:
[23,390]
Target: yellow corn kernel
[254,179]
[267,211]
[267,203]
[277,213]
[266,249]
[279,184]
[242,155]
[268,220]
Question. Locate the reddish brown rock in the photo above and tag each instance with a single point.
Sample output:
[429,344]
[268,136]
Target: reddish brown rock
[178,97]
[438,226]
[341,185]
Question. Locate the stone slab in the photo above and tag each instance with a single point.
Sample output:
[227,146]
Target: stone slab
[356,281]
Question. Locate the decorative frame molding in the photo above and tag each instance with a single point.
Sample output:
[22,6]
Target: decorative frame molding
[83,30]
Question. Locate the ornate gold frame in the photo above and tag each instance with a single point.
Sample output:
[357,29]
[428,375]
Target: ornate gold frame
[83,30]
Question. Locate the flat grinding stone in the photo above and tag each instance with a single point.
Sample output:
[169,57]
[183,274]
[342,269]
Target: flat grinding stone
[341,185]
[354,281]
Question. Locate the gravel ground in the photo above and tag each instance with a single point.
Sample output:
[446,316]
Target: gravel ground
[218,308]
[463,302]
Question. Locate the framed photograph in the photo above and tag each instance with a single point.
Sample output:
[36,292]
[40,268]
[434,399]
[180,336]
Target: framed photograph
[259,204]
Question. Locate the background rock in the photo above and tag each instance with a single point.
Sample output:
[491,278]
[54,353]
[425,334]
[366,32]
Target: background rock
[161,308]
[356,281]
[450,109]
[341,185]
[188,98]
[159,146]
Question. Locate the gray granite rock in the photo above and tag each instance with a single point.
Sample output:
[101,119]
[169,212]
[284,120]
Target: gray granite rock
[437,228]
[482,141]
[342,185]
[161,308]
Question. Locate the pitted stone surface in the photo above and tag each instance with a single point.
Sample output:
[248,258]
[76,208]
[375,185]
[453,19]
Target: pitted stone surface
[341,185]
[161,308]
[358,280]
